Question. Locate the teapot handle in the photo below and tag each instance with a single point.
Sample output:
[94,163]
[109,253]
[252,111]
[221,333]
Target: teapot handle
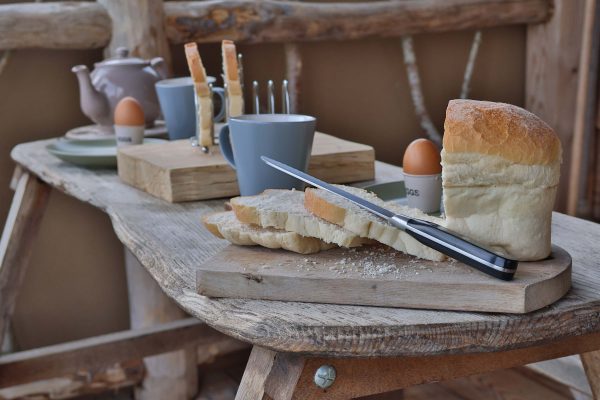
[160,66]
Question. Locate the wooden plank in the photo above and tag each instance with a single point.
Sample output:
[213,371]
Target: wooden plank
[552,61]
[142,33]
[591,366]
[256,374]
[74,25]
[21,227]
[56,25]
[290,21]
[101,351]
[170,243]
[176,171]
[379,276]
[82,383]
[585,107]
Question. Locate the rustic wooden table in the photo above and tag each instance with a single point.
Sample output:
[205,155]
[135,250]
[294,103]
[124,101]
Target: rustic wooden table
[372,349]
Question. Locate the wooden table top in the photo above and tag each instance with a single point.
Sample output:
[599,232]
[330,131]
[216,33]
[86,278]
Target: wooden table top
[170,242]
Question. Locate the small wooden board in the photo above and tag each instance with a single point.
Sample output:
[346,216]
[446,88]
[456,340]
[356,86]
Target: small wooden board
[379,276]
[176,171]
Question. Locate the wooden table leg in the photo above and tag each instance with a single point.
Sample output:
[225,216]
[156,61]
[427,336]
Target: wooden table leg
[171,375]
[22,224]
[591,365]
[270,372]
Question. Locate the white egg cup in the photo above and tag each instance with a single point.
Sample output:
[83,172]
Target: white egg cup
[129,135]
[424,192]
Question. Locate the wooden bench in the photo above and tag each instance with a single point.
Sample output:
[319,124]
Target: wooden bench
[372,349]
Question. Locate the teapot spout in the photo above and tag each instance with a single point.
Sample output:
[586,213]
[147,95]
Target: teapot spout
[93,103]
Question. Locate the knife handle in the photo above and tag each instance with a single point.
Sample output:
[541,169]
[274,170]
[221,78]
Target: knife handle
[451,244]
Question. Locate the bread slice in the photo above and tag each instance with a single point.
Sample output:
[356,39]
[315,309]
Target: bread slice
[342,212]
[284,209]
[225,225]
[235,99]
[204,104]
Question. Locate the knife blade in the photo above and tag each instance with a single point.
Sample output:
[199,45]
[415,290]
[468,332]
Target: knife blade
[428,233]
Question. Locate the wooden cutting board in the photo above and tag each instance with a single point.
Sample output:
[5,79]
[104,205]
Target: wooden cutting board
[379,276]
[175,171]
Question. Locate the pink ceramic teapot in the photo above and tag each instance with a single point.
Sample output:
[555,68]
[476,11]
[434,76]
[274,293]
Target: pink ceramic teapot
[118,77]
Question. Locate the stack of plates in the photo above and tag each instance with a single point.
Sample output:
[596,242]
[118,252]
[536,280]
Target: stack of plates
[92,153]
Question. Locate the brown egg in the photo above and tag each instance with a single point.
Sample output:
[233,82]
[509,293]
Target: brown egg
[422,157]
[129,112]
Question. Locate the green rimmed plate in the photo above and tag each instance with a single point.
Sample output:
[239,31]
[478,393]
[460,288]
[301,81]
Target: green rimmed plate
[95,153]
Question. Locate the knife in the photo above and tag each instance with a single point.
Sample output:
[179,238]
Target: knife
[428,233]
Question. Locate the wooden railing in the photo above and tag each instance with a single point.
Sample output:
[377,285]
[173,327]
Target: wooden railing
[81,25]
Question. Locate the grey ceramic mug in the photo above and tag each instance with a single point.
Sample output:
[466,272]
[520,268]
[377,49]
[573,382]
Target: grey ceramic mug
[176,97]
[284,137]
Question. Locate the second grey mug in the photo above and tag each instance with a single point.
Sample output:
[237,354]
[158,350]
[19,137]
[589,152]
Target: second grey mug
[284,137]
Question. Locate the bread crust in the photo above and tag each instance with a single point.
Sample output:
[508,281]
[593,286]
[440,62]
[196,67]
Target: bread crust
[321,208]
[499,129]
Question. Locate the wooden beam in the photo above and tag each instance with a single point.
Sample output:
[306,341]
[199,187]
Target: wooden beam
[82,383]
[83,25]
[591,366]
[553,51]
[56,25]
[291,21]
[21,227]
[101,351]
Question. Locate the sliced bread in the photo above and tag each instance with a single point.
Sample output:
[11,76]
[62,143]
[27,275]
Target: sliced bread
[342,212]
[226,226]
[284,209]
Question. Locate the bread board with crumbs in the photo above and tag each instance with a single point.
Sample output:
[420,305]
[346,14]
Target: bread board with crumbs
[379,276]
[175,171]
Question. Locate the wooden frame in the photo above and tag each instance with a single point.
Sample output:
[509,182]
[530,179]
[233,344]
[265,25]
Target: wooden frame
[284,376]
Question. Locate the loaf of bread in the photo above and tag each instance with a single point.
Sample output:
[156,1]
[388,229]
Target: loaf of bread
[226,226]
[346,214]
[284,209]
[501,166]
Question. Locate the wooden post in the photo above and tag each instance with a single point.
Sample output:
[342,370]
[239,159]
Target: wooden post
[22,224]
[139,26]
[584,112]
[553,51]
[168,376]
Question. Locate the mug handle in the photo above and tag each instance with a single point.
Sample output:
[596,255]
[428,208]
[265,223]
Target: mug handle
[225,145]
[219,91]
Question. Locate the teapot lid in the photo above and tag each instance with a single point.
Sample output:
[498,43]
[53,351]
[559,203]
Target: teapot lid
[123,59]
